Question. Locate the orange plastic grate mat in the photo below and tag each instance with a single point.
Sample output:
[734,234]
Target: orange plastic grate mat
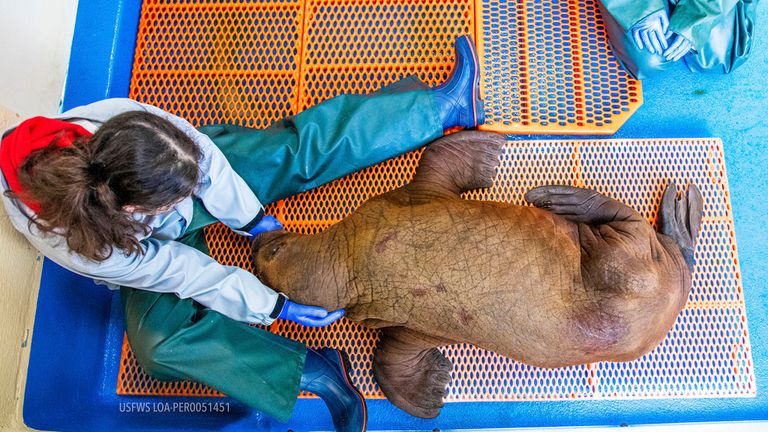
[546,65]
[547,68]
[706,354]
[217,62]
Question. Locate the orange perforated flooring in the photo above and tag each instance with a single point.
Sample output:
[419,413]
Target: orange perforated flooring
[706,354]
[546,65]
[547,68]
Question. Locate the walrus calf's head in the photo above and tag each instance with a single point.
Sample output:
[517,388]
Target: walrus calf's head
[300,266]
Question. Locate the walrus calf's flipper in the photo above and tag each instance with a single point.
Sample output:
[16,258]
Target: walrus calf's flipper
[680,218]
[457,163]
[411,372]
[581,205]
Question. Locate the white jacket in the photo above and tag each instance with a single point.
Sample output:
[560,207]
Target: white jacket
[169,266]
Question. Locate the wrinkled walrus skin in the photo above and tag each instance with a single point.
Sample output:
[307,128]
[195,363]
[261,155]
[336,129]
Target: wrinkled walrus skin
[577,278]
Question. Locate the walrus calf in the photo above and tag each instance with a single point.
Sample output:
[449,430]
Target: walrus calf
[577,278]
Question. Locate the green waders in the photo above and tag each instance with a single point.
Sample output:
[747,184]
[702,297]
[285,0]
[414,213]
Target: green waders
[175,338]
[721,31]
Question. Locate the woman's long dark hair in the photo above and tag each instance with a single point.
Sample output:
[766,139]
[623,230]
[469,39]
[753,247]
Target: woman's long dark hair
[136,159]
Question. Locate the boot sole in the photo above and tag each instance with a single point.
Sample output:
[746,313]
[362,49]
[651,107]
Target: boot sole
[478,107]
[344,366]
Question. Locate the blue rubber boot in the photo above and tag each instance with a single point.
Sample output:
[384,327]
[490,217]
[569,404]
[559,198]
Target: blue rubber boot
[326,375]
[458,98]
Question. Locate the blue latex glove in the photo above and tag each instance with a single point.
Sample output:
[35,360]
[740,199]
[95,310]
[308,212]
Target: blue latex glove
[649,32]
[679,47]
[266,224]
[310,316]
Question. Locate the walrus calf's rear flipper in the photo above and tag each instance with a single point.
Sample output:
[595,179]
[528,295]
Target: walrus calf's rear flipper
[411,372]
[680,218]
[581,205]
[457,163]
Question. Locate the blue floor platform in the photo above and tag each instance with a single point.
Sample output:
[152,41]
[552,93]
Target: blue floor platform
[78,328]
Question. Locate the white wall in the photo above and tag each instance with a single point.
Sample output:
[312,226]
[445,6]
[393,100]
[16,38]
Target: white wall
[35,38]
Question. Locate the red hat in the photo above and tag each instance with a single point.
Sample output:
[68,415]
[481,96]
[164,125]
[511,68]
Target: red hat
[34,134]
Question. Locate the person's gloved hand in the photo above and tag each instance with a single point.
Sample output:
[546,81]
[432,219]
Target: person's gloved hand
[266,224]
[649,32]
[310,316]
[678,47]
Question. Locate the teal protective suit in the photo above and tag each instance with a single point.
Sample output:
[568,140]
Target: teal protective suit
[721,31]
[174,338]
